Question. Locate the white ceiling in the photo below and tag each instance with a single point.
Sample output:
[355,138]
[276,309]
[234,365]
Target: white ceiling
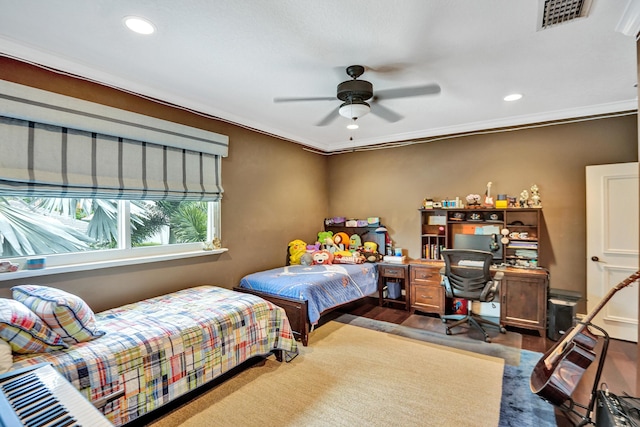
[231,58]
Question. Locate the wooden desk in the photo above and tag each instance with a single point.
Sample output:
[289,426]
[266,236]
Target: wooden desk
[522,297]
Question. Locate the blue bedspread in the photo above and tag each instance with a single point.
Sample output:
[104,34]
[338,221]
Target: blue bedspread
[323,286]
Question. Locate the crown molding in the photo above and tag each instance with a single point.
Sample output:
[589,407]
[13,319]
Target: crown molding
[629,23]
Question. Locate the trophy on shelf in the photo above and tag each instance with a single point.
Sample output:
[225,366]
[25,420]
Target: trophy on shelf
[535,197]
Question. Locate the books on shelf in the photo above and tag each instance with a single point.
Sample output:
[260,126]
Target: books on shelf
[432,251]
[522,245]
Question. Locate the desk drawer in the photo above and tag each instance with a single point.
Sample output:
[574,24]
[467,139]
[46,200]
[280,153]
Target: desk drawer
[425,275]
[390,271]
[427,298]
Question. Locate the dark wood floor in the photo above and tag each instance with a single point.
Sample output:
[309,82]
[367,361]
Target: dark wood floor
[618,375]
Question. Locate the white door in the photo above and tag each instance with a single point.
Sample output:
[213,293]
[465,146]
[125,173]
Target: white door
[612,246]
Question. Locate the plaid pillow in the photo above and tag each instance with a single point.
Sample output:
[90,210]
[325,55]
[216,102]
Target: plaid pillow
[24,331]
[66,314]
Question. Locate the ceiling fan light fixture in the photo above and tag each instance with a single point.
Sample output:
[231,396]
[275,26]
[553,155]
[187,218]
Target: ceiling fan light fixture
[354,110]
[353,125]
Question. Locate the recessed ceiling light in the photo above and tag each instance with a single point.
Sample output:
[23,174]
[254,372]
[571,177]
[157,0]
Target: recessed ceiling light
[513,97]
[139,25]
[352,126]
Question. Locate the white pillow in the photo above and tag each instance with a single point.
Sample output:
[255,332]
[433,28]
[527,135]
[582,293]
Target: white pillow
[6,358]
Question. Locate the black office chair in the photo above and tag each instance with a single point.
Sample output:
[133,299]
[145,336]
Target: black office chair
[467,275]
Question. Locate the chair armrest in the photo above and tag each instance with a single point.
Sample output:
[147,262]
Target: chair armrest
[447,287]
[491,289]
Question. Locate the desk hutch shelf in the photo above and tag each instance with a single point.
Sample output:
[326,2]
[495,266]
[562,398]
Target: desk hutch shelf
[523,292]
[450,228]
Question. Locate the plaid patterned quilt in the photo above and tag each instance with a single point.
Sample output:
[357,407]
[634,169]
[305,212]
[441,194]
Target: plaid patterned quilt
[163,347]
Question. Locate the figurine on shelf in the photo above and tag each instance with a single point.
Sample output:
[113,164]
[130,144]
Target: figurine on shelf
[524,199]
[535,197]
[488,200]
[473,201]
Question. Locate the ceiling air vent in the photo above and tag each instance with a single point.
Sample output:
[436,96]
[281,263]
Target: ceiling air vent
[554,12]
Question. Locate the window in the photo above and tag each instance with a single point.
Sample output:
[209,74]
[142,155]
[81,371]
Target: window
[90,186]
[72,231]
[44,226]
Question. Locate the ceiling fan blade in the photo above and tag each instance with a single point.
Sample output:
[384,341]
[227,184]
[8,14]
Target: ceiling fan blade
[329,117]
[385,113]
[312,98]
[404,92]
[391,68]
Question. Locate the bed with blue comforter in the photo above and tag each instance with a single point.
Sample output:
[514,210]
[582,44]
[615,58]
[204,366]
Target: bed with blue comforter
[308,291]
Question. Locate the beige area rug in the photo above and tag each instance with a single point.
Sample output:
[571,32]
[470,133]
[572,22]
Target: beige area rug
[352,376]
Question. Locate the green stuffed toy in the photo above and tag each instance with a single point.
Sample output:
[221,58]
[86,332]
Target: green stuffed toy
[355,242]
[323,236]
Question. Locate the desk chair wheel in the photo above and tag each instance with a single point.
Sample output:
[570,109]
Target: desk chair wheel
[443,320]
[447,331]
[503,330]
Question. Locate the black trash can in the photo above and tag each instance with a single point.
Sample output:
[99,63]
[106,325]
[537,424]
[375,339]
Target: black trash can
[561,312]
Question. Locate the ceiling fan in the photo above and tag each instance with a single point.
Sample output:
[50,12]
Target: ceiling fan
[358,98]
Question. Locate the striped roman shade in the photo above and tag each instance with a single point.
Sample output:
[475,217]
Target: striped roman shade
[56,146]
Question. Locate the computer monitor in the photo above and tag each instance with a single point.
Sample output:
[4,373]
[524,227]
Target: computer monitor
[479,242]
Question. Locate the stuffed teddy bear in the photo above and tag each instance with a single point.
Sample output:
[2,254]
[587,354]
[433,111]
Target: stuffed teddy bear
[297,248]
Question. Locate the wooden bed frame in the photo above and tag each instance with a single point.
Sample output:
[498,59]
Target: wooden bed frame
[297,311]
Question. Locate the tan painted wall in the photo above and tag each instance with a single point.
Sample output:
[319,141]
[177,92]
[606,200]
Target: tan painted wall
[553,157]
[274,192]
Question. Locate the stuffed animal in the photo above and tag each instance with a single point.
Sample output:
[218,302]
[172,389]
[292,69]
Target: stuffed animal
[322,257]
[306,259]
[353,258]
[312,248]
[370,247]
[297,248]
[323,236]
[370,252]
[341,240]
[354,242]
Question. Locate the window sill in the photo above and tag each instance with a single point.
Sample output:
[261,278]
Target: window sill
[71,268]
